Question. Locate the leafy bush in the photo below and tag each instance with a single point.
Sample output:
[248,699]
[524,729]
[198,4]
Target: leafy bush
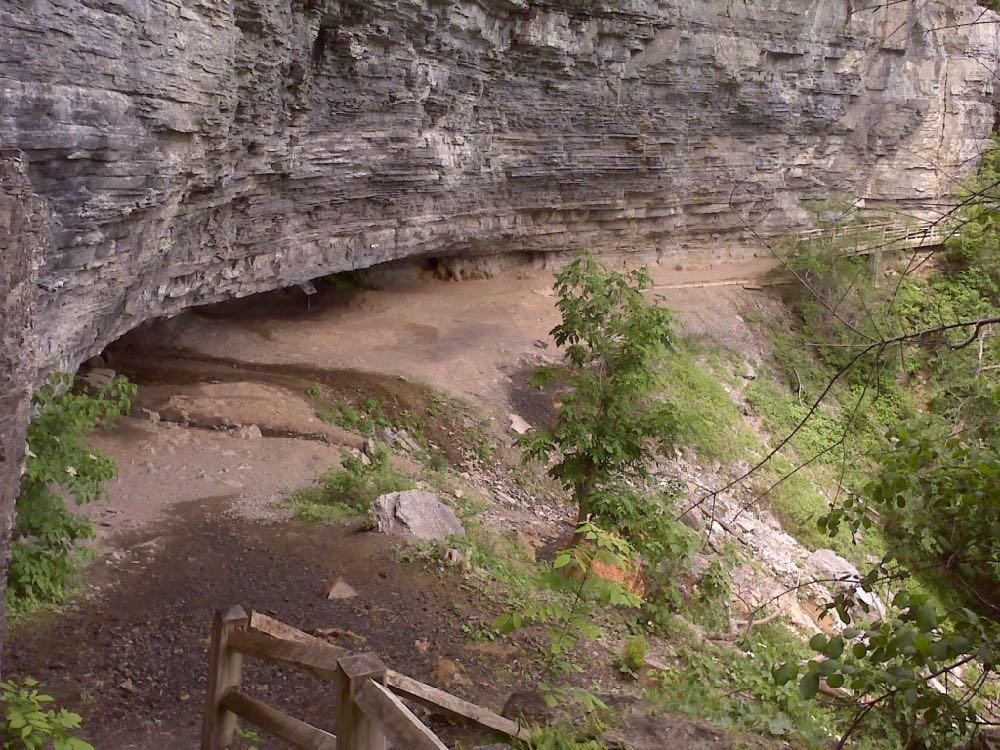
[568,620]
[59,461]
[934,490]
[649,521]
[349,490]
[734,688]
[894,662]
[30,724]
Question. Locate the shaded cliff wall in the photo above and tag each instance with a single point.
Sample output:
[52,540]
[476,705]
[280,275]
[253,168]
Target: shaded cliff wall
[24,238]
[197,149]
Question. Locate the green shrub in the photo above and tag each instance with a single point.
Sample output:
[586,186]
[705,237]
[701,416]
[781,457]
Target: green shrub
[608,419]
[59,462]
[633,656]
[30,723]
[349,490]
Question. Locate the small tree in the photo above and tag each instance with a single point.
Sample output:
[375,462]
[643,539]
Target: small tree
[609,421]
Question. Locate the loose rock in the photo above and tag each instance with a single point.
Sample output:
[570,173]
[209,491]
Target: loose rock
[518,424]
[338,588]
[415,514]
[250,432]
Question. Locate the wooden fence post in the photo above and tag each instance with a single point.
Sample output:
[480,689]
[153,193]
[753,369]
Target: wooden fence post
[225,668]
[355,731]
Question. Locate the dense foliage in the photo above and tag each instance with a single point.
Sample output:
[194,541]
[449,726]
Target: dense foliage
[907,364]
[59,464]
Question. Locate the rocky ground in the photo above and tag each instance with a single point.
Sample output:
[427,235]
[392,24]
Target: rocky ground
[223,432]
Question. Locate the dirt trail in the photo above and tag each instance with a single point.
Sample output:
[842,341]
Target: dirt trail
[133,658]
[464,338]
[191,523]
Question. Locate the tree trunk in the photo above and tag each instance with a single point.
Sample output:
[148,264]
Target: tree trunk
[583,491]
[24,237]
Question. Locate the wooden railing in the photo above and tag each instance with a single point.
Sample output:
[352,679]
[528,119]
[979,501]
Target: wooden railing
[370,713]
[879,236]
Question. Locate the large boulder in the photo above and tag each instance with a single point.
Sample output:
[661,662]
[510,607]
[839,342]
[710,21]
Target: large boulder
[415,514]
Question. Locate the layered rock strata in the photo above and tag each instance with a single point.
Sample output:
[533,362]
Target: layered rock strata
[159,154]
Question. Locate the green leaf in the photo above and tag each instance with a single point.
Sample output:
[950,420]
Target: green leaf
[834,648]
[785,673]
[809,685]
[926,617]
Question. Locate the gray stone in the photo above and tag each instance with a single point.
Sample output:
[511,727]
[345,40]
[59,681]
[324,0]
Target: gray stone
[840,574]
[195,152]
[97,377]
[25,238]
[407,442]
[415,514]
[692,519]
[249,432]
[651,728]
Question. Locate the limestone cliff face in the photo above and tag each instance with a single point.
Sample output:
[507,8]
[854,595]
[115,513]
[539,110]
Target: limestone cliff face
[191,150]
[24,237]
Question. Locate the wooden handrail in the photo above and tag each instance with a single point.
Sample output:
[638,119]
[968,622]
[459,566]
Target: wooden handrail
[318,659]
[225,672]
[398,723]
[452,706]
[278,629]
[925,235]
[369,706]
[278,723]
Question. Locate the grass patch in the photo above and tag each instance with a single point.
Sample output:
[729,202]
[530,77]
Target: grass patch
[444,431]
[708,419]
[565,737]
[500,568]
[796,501]
[481,442]
[349,490]
[364,419]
